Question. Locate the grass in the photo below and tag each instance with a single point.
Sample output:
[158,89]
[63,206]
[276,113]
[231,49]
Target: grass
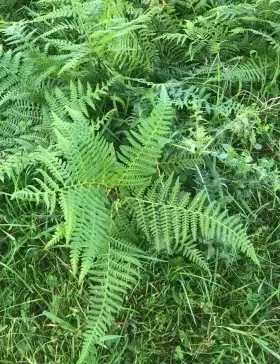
[181,315]
[177,314]
[39,308]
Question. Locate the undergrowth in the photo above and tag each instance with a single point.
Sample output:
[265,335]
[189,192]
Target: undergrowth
[139,174]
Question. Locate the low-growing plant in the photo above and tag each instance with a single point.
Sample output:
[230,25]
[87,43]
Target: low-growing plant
[138,134]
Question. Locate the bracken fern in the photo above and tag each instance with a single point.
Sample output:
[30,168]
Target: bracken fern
[100,101]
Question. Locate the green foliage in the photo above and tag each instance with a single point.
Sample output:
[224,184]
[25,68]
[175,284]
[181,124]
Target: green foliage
[166,217]
[140,158]
[76,175]
[135,131]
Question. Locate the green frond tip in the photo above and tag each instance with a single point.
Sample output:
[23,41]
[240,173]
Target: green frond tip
[58,235]
[140,157]
[168,218]
[178,162]
[113,274]
[86,219]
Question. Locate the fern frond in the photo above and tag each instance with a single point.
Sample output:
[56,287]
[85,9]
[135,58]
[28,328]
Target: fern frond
[177,162]
[190,250]
[167,219]
[78,172]
[246,72]
[12,165]
[90,158]
[80,98]
[273,42]
[140,158]
[58,235]
[87,217]
[111,277]
[179,38]
[234,12]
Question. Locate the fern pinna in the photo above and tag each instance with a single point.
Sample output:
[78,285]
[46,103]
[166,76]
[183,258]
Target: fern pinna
[79,175]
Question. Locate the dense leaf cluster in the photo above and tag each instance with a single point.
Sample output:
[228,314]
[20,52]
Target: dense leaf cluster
[122,123]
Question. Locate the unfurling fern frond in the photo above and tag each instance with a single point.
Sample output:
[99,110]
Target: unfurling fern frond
[167,218]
